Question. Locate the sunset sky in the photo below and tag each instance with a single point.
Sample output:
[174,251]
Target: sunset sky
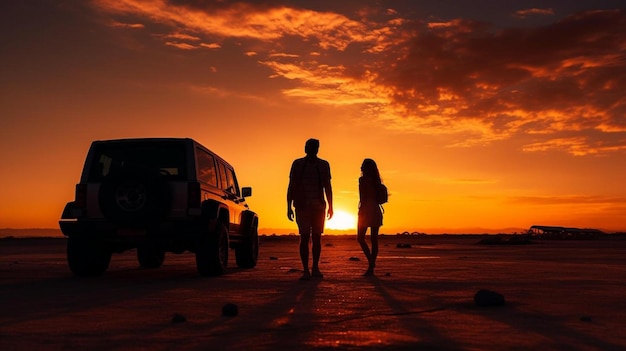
[480,114]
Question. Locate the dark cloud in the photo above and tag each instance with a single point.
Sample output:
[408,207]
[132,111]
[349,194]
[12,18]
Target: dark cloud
[568,76]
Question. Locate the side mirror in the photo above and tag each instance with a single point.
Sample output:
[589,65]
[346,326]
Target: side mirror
[246,191]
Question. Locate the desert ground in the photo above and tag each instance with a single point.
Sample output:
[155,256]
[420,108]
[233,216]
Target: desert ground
[560,295]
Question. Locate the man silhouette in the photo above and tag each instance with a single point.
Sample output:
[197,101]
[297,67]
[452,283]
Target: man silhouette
[309,181]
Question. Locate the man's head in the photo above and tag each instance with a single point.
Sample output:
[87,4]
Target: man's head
[311,147]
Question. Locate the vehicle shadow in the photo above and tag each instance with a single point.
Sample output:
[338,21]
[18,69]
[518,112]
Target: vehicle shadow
[30,293]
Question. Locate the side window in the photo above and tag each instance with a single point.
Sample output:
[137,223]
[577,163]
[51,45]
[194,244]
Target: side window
[206,168]
[228,182]
[223,177]
[104,166]
[232,182]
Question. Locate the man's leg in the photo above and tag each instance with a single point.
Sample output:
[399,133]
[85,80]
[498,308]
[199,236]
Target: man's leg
[318,219]
[317,250]
[303,218]
[305,237]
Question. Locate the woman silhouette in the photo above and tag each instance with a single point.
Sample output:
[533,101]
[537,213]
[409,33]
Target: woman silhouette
[370,214]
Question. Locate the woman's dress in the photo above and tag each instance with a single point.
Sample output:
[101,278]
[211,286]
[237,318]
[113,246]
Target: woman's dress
[370,214]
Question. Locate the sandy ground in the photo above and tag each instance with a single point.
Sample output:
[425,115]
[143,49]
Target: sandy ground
[560,295]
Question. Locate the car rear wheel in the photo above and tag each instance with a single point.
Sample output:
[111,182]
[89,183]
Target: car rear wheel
[212,252]
[87,257]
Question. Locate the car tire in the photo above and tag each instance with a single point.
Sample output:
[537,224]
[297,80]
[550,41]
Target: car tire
[212,252]
[247,253]
[150,256]
[134,196]
[87,257]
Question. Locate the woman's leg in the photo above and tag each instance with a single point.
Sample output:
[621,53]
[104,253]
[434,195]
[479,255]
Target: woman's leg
[374,238]
[360,237]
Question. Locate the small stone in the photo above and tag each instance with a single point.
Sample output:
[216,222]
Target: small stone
[353,258]
[403,246]
[230,310]
[273,258]
[485,298]
[178,318]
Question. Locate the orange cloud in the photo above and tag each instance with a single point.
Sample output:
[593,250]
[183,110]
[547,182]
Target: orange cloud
[242,20]
[534,12]
[282,54]
[571,199]
[182,36]
[117,24]
[211,45]
[183,46]
[577,146]
[323,84]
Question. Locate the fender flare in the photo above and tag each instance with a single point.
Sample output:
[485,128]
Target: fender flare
[214,212]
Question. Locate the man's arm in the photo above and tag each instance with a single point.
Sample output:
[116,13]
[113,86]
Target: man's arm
[328,190]
[289,201]
[290,214]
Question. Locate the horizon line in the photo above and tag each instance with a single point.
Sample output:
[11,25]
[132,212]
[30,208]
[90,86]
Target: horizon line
[395,231]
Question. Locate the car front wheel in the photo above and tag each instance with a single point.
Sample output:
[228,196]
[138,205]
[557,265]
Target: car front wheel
[247,253]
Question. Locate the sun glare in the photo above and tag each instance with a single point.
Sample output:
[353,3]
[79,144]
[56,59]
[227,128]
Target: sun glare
[341,220]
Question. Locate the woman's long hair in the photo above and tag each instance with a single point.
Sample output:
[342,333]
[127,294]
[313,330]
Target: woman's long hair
[369,169]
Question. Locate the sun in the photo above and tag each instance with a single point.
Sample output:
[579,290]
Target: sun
[341,220]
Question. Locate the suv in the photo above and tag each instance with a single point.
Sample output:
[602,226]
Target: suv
[158,195]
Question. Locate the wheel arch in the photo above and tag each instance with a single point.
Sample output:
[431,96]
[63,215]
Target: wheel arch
[215,212]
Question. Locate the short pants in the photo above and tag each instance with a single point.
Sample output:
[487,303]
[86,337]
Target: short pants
[311,219]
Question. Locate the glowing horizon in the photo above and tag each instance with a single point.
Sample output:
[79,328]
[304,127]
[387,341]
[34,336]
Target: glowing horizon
[342,220]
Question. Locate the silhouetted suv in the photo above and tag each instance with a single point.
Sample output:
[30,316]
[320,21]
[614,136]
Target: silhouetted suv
[158,195]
